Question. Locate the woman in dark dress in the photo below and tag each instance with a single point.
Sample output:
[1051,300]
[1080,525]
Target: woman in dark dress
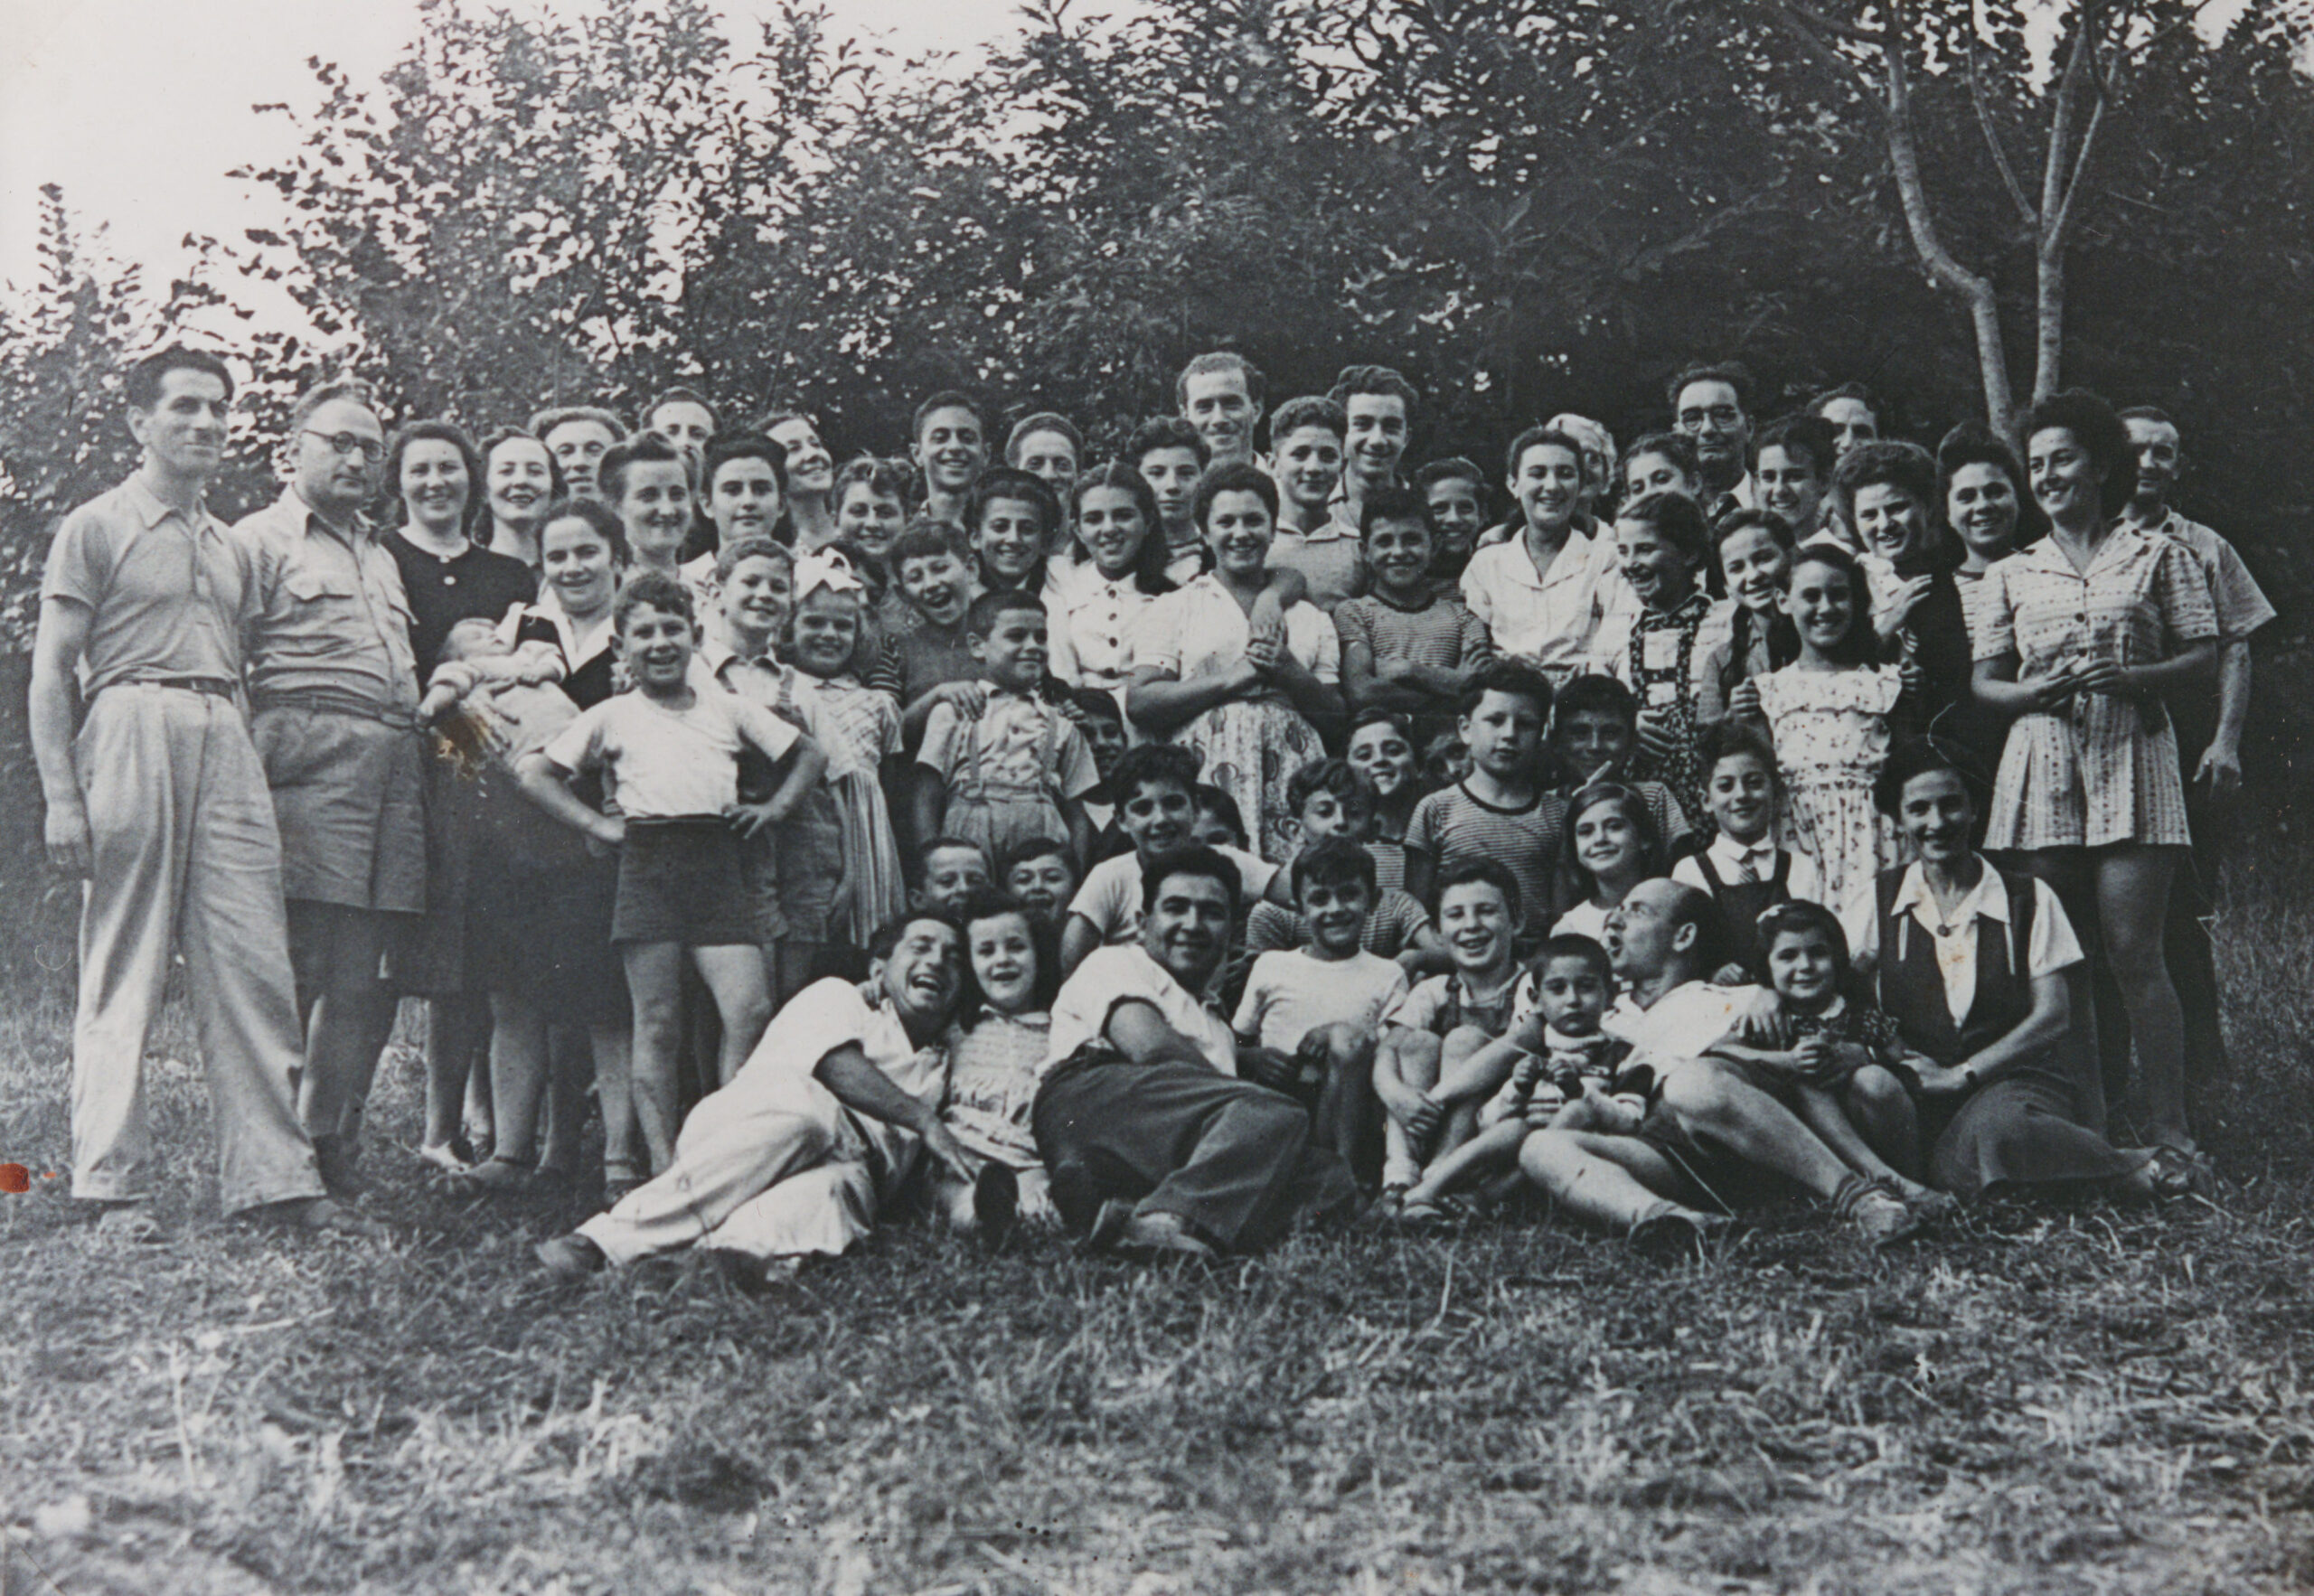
[435,476]
[1971,965]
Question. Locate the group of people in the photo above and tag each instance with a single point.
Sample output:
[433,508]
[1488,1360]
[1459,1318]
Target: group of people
[1175,849]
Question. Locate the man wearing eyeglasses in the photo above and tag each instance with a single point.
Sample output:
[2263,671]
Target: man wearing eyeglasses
[1712,405]
[158,801]
[334,692]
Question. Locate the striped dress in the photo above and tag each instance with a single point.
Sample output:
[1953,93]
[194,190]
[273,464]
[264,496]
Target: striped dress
[861,728]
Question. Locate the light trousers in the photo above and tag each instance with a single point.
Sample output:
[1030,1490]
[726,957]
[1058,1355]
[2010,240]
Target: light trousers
[186,855]
[771,1166]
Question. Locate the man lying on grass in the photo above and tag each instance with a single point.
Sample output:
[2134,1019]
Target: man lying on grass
[1154,1146]
[816,1131]
[1710,1133]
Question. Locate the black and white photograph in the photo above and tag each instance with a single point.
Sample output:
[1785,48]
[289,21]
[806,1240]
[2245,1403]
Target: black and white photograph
[1156,797]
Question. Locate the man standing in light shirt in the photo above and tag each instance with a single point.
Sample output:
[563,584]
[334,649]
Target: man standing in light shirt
[2209,734]
[333,693]
[160,804]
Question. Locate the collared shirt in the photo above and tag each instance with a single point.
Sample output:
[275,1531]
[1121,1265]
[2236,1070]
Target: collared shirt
[1113,976]
[330,618]
[165,592]
[2052,947]
[2241,604]
[831,1015]
[1743,495]
[1738,862]
[1659,632]
[1091,620]
[1330,558]
[1547,618]
[589,669]
[1683,1023]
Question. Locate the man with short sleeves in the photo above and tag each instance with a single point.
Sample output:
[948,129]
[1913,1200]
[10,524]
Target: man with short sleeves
[160,802]
[1154,1145]
[2209,734]
[333,691]
[820,1126]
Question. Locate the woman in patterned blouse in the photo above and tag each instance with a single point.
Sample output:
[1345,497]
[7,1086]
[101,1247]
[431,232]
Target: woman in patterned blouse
[2080,636]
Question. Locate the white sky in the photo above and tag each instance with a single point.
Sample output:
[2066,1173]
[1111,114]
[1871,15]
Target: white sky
[138,107]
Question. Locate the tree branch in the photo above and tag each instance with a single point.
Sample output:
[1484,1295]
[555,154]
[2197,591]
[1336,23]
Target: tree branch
[1798,26]
[2061,222]
[1993,139]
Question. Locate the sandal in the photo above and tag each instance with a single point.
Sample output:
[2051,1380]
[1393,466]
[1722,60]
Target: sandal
[494,1177]
[449,1156]
[2176,1172]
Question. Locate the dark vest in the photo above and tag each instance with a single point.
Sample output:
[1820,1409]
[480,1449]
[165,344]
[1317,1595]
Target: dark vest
[1741,903]
[591,683]
[1912,987]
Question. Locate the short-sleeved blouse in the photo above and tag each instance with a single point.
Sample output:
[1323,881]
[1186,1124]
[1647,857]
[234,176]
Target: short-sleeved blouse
[1092,620]
[2101,768]
[1200,631]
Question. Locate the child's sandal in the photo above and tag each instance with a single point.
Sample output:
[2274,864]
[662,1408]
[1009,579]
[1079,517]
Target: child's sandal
[494,1177]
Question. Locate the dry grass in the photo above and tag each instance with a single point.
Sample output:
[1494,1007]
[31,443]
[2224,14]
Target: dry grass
[2083,1401]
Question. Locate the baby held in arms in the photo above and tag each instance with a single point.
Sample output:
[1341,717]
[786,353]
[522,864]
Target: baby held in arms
[476,694]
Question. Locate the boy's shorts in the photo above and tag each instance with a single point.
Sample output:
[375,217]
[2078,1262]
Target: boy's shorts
[680,881]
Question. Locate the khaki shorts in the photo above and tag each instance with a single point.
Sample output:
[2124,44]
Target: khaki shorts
[349,795]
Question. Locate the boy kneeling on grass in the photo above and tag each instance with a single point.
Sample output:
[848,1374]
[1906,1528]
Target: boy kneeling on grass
[1310,1015]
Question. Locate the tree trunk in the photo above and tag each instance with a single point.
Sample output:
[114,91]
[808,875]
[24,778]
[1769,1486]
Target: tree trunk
[2048,320]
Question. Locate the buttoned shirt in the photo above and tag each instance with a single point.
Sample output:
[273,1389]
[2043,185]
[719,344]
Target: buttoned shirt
[1738,862]
[2051,947]
[330,621]
[165,591]
[1547,618]
[1091,620]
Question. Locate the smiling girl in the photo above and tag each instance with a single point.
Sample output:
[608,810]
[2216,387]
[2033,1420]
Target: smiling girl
[1663,652]
[521,479]
[1610,848]
[1829,713]
[644,480]
[995,1061]
[1210,674]
[1095,600]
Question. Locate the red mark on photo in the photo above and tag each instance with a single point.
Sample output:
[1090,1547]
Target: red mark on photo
[15,1177]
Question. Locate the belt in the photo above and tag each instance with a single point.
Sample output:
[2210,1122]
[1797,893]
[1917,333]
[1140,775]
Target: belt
[215,687]
[329,703]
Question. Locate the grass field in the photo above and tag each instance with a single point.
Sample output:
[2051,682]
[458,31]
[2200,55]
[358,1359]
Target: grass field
[2087,1401]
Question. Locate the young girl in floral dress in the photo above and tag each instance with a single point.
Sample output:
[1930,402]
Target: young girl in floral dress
[1829,713]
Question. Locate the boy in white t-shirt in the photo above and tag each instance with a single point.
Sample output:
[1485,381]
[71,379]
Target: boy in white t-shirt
[1154,786]
[1318,1009]
[668,754]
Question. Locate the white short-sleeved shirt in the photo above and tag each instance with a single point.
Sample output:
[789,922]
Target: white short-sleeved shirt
[1291,993]
[662,764]
[1547,618]
[832,1014]
[1091,620]
[1585,919]
[1197,631]
[1111,896]
[2051,947]
[1683,1023]
[1111,976]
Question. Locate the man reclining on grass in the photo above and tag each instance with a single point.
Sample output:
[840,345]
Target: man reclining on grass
[1710,1135]
[1154,1145]
[818,1130]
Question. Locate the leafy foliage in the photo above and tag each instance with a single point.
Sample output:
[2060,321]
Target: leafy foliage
[1527,210]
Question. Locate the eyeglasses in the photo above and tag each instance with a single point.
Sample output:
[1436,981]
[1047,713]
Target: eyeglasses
[342,444]
[1718,416]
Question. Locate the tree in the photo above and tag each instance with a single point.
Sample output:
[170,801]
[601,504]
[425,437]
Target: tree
[1880,46]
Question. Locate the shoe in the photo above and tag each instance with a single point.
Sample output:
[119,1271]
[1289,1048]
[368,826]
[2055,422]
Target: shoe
[319,1214]
[1673,1236]
[1109,1225]
[451,1158]
[1880,1218]
[131,1223]
[1154,1237]
[494,1177]
[571,1257]
[1934,1207]
[996,1202]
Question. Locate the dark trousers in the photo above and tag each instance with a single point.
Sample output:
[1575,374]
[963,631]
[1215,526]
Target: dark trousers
[1232,1159]
[2193,960]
